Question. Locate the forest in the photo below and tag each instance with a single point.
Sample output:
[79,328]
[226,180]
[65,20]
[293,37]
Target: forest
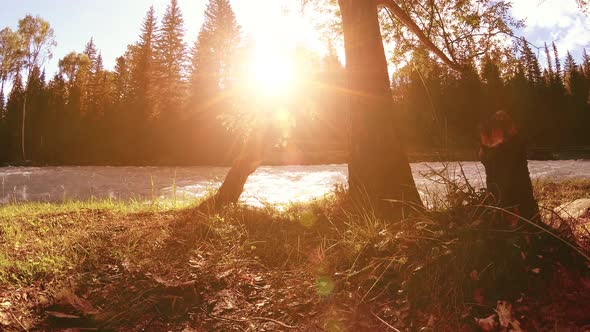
[168,103]
[373,242]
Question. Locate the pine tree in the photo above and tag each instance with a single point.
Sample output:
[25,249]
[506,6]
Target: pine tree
[532,68]
[96,86]
[14,117]
[171,55]
[57,138]
[550,72]
[92,53]
[494,86]
[586,64]
[558,72]
[36,99]
[213,56]
[573,74]
[3,132]
[576,89]
[141,65]
[122,84]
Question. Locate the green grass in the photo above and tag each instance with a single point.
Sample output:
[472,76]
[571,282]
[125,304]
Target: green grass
[346,266]
[41,240]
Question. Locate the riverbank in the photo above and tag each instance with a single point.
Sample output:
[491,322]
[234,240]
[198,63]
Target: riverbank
[275,185]
[340,156]
[316,266]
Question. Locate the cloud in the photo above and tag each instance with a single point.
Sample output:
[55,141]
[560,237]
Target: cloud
[558,21]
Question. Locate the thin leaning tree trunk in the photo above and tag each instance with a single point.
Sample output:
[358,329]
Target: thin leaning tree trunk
[379,171]
[250,157]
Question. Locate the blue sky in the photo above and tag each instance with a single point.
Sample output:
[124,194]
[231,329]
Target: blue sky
[554,20]
[115,23]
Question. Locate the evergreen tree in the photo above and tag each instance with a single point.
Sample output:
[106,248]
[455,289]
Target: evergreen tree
[571,74]
[493,86]
[36,99]
[577,99]
[134,125]
[558,72]
[14,118]
[122,81]
[96,86]
[586,64]
[520,98]
[532,68]
[214,69]
[141,58]
[213,56]
[550,72]
[91,51]
[57,135]
[3,132]
[171,56]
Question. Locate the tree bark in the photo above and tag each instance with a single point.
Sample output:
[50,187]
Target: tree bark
[503,154]
[24,156]
[250,157]
[378,168]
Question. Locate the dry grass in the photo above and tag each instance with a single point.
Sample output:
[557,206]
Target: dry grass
[318,266]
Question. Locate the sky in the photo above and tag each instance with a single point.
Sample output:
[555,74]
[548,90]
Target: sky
[554,20]
[116,23]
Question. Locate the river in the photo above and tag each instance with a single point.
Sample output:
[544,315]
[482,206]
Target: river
[269,184]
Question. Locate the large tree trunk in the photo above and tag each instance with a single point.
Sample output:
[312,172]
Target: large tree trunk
[503,154]
[379,170]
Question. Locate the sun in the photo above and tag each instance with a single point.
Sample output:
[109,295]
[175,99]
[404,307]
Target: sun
[271,71]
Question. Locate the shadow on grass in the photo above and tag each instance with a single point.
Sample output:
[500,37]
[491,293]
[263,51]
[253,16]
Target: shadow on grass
[318,266]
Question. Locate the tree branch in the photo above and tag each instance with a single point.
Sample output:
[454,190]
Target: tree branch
[406,20]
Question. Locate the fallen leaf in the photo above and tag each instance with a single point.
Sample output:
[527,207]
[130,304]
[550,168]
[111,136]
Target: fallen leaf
[504,310]
[5,319]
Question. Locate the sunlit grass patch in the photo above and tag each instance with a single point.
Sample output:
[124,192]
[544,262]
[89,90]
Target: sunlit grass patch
[40,240]
[553,193]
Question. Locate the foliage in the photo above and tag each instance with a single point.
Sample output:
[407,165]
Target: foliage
[464,30]
[214,56]
[547,106]
[170,54]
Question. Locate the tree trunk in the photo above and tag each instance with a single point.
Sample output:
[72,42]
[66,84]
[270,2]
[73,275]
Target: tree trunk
[250,157]
[378,168]
[503,154]
[24,156]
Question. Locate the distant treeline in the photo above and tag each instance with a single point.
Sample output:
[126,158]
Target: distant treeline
[166,103]
[440,108]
